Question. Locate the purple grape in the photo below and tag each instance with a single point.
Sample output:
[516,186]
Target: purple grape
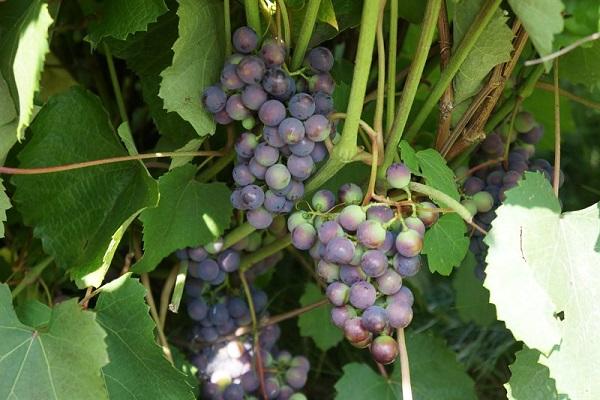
[197,309]
[236,109]
[407,266]
[494,178]
[209,334]
[272,112]
[233,392]
[296,377]
[218,314]
[303,148]
[374,263]
[252,196]
[259,171]
[244,39]
[323,103]
[398,175]
[350,274]
[296,192]
[304,236]
[322,82]
[415,224]
[277,176]
[291,130]
[404,295]
[382,214]
[493,145]
[274,203]
[277,82]
[362,295]
[197,254]
[206,270]
[384,349]
[473,185]
[229,260]
[329,272]
[300,167]
[541,163]
[259,298]
[518,166]
[253,96]
[355,332]
[349,193]
[230,79]
[271,135]
[250,381]
[339,315]
[273,53]
[511,178]
[329,230]
[370,234]
[246,144]
[524,122]
[242,175]
[320,59]
[409,243]
[389,283]
[317,128]
[301,106]
[222,118]
[251,70]
[339,250]
[337,293]
[323,200]
[259,218]
[351,217]
[399,313]
[374,319]
[214,99]
[272,388]
[266,155]
[236,200]
[296,219]
[237,307]
[319,153]
[427,212]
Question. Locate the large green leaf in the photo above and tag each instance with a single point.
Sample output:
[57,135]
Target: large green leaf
[119,19]
[23,47]
[85,211]
[445,244]
[583,20]
[542,20]
[542,274]
[436,172]
[137,367]
[4,206]
[189,214]
[316,324]
[581,66]
[434,373]
[530,380]
[8,120]
[61,360]
[492,48]
[472,299]
[197,62]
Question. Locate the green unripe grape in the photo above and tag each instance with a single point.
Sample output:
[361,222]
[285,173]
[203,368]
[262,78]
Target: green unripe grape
[249,123]
[524,122]
[470,206]
[483,201]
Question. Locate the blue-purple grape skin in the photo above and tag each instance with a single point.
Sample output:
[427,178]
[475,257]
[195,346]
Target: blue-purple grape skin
[320,59]
[253,96]
[272,112]
[273,53]
[214,99]
[244,40]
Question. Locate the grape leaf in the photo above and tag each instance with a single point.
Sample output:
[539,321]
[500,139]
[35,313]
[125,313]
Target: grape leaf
[8,121]
[197,61]
[542,274]
[542,20]
[493,47]
[189,214]
[34,313]
[581,66]
[85,211]
[530,380]
[119,19]
[317,324]
[23,47]
[347,15]
[435,374]
[583,20]
[436,172]
[192,145]
[326,14]
[137,364]
[409,157]
[4,206]
[472,299]
[62,360]
[445,244]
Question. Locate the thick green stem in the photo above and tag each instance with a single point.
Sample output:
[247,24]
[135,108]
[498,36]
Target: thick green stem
[458,57]
[391,73]
[217,167]
[287,36]
[308,24]
[31,276]
[346,148]
[442,197]
[264,252]
[252,15]
[331,167]
[237,234]
[227,25]
[378,120]
[412,82]
[179,286]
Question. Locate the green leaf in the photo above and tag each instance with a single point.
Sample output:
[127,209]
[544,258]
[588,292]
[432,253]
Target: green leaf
[492,48]
[192,145]
[547,261]
[316,324]
[436,172]
[530,380]
[61,361]
[445,244]
[435,374]
[412,10]
[34,313]
[124,133]
[581,66]
[85,211]
[327,14]
[119,19]
[583,20]
[542,20]
[137,364]
[23,47]
[472,299]
[189,214]
[200,39]
[347,15]
[409,157]
[4,206]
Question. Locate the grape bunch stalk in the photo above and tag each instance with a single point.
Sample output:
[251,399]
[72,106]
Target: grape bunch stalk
[485,189]
[363,252]
[285,116]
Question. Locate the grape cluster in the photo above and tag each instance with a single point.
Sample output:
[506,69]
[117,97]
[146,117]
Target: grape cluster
[485,189]
[363,253]
[228,371]
[286,119]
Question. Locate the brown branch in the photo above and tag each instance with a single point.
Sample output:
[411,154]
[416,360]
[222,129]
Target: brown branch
[447,99]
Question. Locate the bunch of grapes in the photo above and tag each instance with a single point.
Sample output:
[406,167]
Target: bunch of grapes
[363,253]
[227,371]
[485,189]
[286,119]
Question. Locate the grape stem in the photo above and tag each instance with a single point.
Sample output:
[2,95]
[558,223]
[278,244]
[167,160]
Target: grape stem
[447,100]
[161,334]
[287,37]
[237,234]
[165,294]
[264,252]
[310,17]
[556,177]
[549,87]
[382,371]
[378,119]
[179,286]
[391,72]
[404,367]
[252,15]
[481,166]
[32,275]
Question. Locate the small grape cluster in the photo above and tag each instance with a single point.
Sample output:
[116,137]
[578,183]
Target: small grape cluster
[486,188]
[278,154]
[228,372]
[363,253]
